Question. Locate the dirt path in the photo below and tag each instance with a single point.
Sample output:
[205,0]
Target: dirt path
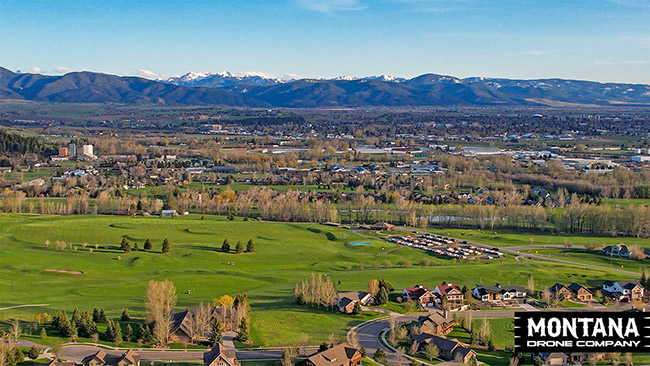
[23,306]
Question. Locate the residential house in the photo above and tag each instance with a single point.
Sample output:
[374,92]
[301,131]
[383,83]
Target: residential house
[565,358]
[341,355]
[449,349]
[347,300]
[383,226]
[102,358]
[56,362]
[580,292]
[630,290]
[499,293]
[559,291]
[220,356]
[420,294]
[618,250]
[182,328]
[453,292]
[438,324]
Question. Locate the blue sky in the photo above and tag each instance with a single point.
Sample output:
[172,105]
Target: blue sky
[602,40]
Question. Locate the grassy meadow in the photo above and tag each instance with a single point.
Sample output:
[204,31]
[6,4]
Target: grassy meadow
[285,253]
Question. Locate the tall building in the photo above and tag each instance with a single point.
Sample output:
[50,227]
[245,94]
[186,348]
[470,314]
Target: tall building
[72,149]
[87,150]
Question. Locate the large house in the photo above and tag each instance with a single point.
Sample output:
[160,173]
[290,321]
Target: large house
[420,294]
[341,355]
[499,293]
[618,250]
[347,300]
[564,358]
[438,324]
[559,291]
[183,322]
[580,292]
[449,349]
[220,356]
[630,290]
[102,358]
[453,292]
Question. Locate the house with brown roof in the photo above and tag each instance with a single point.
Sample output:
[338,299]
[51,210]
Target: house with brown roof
[341,355]
[383,226]
[102,358]
[580,292]
[220,356]
[183,323]
[439,324]
[449,349]
[421,295]
[346,301]
[453,292]
[559,291]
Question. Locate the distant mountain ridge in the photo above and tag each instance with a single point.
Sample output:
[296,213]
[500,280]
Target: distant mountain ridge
[259,90]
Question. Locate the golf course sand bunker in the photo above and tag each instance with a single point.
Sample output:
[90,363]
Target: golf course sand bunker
[64,271]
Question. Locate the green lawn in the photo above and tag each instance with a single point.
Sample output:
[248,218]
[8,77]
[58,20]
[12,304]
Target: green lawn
[589,257]
[512,238]
[285,254]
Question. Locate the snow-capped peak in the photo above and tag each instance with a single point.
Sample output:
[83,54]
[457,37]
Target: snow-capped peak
[384,77]
[344,77]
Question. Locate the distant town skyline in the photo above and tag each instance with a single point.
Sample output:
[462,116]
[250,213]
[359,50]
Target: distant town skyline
[599,40]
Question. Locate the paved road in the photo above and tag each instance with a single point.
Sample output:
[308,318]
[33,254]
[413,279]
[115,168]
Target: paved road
[367,335]
[512,250]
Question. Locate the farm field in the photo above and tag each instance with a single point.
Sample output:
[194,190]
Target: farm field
[285,253]
[505,238]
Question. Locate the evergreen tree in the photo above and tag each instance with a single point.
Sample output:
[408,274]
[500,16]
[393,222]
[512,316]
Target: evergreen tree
[76,317]
[110,331]
[383,283]
[96,315]
[165,246]
[102,316]
[357,308]
[33,352]
[125,245]
[135,247]
[125,315]
[239,248]
[382,296]
[146,334]
[242,333]
[215,332]
[225,247]
[128,333]
[147,244]
[118,333]
[250,248]
[472,361]
[43,333]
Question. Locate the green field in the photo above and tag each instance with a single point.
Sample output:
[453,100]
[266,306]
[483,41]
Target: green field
[502,238]
[584,256]
[285,254]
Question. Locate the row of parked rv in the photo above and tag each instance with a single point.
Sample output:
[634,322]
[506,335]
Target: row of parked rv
[445,247]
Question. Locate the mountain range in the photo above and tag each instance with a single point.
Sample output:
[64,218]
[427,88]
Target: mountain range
[258,90]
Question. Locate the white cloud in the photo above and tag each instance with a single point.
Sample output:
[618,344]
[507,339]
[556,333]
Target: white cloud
[146,74]
[63,69]
[330,6]
[35,70]
[628,62]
